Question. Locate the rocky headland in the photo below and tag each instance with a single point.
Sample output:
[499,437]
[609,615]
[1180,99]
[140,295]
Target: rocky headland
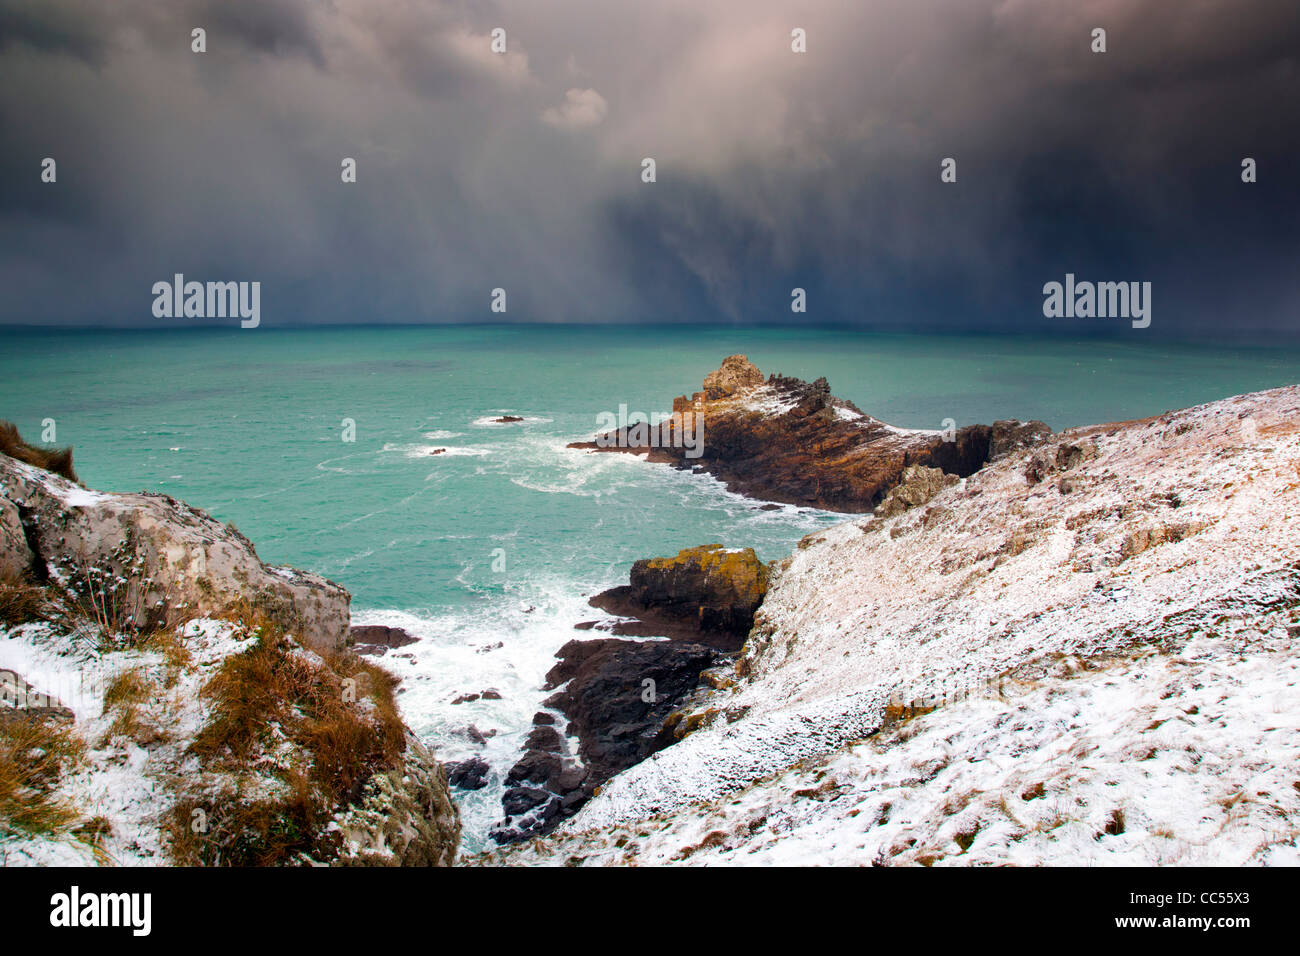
[167,697]
[1085,652]
[785,440]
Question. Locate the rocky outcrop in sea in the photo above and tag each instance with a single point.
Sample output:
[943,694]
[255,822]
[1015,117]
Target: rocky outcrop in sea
[786,440]
[622,699]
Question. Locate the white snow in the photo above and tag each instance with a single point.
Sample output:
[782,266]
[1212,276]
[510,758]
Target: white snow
[118,779]
[1165,576]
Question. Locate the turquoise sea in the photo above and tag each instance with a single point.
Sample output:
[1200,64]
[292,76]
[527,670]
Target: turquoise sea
[500,539]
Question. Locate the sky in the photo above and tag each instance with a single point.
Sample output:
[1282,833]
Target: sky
[775,170]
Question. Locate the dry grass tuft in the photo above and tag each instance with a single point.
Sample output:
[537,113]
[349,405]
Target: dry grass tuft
[21,602]
[57,460]
[126,695]
[33,755]
[338,712]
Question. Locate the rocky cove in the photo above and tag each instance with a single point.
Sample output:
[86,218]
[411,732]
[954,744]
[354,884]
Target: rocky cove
[1117,584]
[1036,649]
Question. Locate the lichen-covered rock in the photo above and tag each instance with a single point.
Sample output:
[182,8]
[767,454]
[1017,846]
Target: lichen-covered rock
[141,561]
[721,586]
[707,594]
[919,485]
[737,374]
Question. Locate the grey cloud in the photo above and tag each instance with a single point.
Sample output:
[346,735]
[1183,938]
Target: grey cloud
[775,169]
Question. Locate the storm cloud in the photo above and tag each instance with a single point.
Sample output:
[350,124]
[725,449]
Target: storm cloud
[775,169]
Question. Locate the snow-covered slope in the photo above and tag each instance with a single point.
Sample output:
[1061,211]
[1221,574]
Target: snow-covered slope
[1111,617]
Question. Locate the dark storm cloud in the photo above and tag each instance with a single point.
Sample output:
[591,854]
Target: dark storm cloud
[50,29]
[775,170]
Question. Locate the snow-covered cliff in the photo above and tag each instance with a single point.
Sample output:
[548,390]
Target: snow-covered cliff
[1086,652]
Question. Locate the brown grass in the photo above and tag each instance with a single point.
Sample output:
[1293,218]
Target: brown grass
[20,602]
[339,714]
[57,460]
[33,755]
[125,696]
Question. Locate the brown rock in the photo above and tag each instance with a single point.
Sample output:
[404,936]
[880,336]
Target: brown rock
[707,594]
[918,485]
[737,374]
[792,441]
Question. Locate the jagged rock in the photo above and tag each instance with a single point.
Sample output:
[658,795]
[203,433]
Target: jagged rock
[150,559]
[706,594]
[792,441]
[618,693]
[468,774]
[16,557]
[1143,538]
[519,800]
[619,696]
[1063,457]
[377,639]
[737,374]
[545,738]
[1070,455]
[919,485]
[1009,437]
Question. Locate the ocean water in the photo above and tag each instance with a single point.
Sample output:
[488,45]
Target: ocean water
[489,550]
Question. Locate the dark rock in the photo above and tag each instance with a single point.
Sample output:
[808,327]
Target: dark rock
[468,774]
[377,639]
[705,595]
[519,800]
[490,694]
[536,766]
[478,736]
[611,709]
[546,739]
[619,720]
